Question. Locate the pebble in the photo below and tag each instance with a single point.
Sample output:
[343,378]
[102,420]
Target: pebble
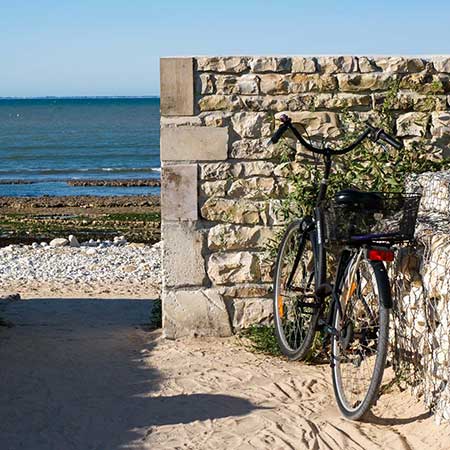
[125,263]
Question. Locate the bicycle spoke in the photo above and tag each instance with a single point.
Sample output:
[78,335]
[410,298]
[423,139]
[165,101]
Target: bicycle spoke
[296,302]
[356,346]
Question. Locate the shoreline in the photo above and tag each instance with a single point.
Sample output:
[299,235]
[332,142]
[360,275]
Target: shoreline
[24,220]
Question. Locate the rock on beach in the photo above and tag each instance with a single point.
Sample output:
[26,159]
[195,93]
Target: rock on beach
[59,242]
[118,266]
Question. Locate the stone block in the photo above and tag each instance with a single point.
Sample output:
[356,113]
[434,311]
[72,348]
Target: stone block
[302,64]
[337,64]
[223,64]
[240,211]
[179,192]
[365,82]
[255,149]
[177,86]
[442,64]
[234,267]
[194,144]
[254,188]
[244,85]
[317,124]
[182,259]
[200,312]
[400,64]
[367,65]
[440,125]
[247,290]
[220,103]
[312,82]
[223,171]
[412,124]
[252,125]
[214,188]
[206,84]
[250,311]
[270,64]
[236,237]
[426,83]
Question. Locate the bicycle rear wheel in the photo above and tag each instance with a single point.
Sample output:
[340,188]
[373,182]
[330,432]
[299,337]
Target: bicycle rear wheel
[359,348]
[296,310]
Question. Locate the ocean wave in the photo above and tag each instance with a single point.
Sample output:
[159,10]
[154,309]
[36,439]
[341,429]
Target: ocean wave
[92,170]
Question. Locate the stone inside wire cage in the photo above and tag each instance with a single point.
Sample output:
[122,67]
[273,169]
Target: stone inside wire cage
[391,219]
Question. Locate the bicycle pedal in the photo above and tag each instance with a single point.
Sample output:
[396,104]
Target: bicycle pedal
[324,290]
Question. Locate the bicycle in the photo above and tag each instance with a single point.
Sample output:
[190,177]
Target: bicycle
[353,312]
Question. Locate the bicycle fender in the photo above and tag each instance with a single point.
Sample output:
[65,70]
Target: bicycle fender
[383,283]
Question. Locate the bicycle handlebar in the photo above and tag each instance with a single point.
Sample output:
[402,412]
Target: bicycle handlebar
[372,132]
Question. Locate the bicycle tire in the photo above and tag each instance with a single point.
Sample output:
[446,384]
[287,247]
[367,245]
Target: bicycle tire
[372,393]
[298,349]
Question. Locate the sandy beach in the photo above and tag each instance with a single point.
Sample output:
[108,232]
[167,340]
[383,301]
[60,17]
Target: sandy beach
[87,374]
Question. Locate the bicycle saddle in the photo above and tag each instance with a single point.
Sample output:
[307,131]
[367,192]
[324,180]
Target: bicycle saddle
[353,197]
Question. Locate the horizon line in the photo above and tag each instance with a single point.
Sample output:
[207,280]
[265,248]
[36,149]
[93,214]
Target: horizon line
[57,97]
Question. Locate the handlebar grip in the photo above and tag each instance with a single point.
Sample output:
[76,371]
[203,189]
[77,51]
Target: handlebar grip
[390,140]
[279,133]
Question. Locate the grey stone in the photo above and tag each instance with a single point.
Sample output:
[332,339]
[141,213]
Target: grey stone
[182,259]
[200,312]
[73,241]
[59,242]
[179,192]
[177,86]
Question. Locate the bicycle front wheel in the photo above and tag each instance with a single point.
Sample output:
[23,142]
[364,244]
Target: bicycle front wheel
[295,306]
[359,347]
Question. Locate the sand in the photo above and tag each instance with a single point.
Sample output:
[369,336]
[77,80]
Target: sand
[87,374]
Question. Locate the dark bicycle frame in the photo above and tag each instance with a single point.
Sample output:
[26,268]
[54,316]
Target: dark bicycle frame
[314,226]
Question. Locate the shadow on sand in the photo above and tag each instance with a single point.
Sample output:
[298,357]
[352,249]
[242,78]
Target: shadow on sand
[73,377]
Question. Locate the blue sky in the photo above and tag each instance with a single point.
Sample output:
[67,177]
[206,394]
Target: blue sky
[111,47]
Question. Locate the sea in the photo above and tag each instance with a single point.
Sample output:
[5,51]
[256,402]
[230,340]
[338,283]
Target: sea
[45,142]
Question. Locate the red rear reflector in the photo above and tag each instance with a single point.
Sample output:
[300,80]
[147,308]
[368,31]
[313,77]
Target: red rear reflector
[377,254]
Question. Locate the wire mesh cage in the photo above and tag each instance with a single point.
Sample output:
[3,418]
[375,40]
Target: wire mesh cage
[389,217]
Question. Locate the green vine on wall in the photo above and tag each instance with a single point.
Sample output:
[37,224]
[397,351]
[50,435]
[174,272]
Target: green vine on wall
[369,167]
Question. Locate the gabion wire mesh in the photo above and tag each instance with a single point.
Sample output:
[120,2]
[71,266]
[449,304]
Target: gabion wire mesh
[421,325]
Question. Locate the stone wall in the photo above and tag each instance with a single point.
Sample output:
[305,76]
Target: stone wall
[221,182]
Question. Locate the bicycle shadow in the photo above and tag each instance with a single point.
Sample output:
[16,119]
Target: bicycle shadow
[371,418]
